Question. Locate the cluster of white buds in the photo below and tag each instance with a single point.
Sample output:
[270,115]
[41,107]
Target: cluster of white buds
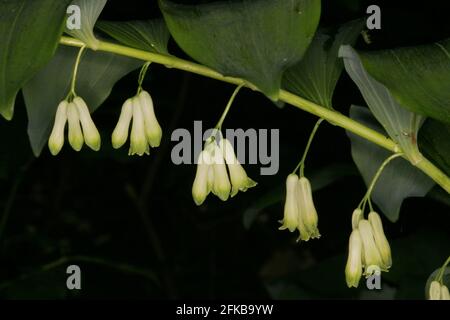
[438,291]
[299,210]
[369,250]
[145,131]
[81,127]
[212,175]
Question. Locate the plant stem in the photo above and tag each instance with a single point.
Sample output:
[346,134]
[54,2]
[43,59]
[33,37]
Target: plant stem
[75,72]
[441,272]
[142,76]
[329,115]
[301,164]
[227,108]
[375,179]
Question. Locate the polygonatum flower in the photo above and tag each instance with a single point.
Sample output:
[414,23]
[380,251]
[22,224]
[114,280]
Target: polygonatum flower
[145,129]
[369,251]
[81,127]
[219,172]
[299,210]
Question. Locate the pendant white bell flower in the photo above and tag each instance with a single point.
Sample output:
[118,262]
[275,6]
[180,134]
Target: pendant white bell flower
[353,269]
[372,257]
[299,210]
[221,184]
[434,292]
[307,211]
[239,179]
[203,183]
[81,127]
[56,140]
[90,132]
[290,220]
[145,129]
[380,239]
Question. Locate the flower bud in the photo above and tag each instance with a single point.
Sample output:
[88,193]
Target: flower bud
[380,239]
[435,291]
[120,133]
[56,140]
[222,185]
[371,254]
[356,217]
[138,140]
[290,220]
[353,269]
[76,139]
[152,128]
[307,211]
[90,132]
[201,188]
[239,179]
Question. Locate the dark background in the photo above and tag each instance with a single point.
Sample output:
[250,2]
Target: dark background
[131,225]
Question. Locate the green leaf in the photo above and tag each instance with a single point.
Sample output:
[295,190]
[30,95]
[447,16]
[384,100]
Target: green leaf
[255,40]
[401,125]
[149,35]
[98,72]
[319,180]
[316,75]
[29,34]
[399,180]
[90,11]
[417,77]
[434,142]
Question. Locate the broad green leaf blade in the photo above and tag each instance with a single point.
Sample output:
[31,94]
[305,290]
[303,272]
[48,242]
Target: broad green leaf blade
[98,72]
[90,11]
[254,40]
[399,180]
[149,35]
[401,125]
[434,142]
[29,34]
[317,74]
[417,77]
[319,180]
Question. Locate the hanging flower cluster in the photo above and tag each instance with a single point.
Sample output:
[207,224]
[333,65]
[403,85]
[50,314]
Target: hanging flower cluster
[299,210]
[145,130]
[212,175]
[369,251]
[81,127]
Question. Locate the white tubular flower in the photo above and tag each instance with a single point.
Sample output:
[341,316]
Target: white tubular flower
[221,185]
[290,220]
[76,139]
[239,179]
[120,133]
[353,269]
[56,140]
[153,130]
[380,239]
[445,295]
[372,257]
[202,186]
[435,291]
[138,139]
[90,132]
[307,211]
[356,217]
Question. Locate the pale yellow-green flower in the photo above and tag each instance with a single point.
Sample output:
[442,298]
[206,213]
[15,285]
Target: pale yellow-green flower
[120,133]
[353,269]
[239,179]
[372,257]
[380,239]
[56,140]
[153,130]
[307,211]
[90,132]
[356,217]
[76,138]
[138,139]
[202,186]
[290,220]
[435,291]
[221,184]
